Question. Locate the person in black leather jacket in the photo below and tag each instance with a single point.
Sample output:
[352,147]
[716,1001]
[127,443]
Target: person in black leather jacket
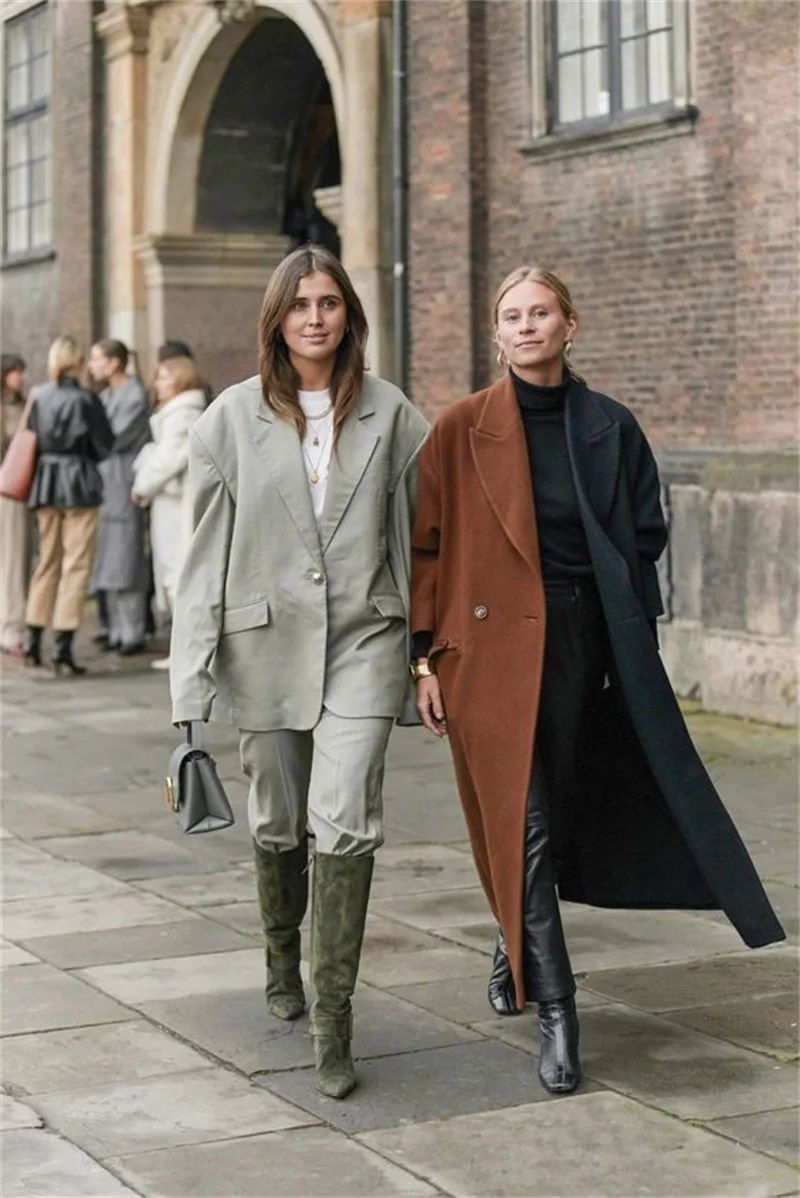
[73,435]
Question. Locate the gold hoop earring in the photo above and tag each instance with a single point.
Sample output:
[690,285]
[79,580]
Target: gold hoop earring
[502,360]
[567,347]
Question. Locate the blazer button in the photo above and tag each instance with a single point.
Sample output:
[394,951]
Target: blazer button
[481,612]
[317,578]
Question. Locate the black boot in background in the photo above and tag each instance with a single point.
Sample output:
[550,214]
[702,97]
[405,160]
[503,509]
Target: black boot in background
[62,654]
[32,646]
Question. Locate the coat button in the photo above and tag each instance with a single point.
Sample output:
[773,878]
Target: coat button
[317,578]
[481,612]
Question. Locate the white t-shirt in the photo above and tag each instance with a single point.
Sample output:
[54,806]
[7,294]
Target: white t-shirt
[317,444]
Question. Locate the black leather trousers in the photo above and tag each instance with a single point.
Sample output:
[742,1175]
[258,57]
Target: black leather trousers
[576,657]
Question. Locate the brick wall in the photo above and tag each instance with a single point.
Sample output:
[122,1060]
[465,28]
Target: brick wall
[680,253]
[63,295]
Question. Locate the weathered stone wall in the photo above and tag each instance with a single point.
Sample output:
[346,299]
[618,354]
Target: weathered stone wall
[731,575]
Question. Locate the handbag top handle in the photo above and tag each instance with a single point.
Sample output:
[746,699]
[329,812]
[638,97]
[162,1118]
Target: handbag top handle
[195,734]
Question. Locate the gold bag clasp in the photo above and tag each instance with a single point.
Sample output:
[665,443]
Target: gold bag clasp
[170,794]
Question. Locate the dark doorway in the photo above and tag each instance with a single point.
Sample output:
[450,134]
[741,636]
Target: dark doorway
[270,141]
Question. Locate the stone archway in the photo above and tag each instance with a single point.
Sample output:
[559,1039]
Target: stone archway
[248,142]
[201,62]
[157,255]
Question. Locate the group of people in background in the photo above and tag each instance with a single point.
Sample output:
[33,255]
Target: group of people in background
[108,494]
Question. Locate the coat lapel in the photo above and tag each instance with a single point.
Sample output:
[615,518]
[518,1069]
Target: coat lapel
[594,447]
[278,445]
[349,460]
[501,460]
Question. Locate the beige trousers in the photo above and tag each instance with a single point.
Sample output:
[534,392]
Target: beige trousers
[329,780]
[67,538]
[14,564]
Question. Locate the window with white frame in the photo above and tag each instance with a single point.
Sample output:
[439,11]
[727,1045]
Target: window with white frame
[27,149]
[614,59]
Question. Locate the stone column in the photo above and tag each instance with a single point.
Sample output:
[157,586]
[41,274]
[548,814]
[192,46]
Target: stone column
[366,187]
[125,32]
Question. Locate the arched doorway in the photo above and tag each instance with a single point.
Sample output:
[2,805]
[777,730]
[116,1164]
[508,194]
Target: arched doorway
[270,142]
[247,163]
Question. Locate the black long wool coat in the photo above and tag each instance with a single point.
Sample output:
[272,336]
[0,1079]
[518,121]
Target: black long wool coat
[650,830]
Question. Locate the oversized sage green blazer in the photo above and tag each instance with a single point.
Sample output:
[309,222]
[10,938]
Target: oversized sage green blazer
[274,617]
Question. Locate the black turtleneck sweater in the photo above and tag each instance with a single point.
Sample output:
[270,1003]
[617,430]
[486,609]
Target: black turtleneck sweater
[562,541]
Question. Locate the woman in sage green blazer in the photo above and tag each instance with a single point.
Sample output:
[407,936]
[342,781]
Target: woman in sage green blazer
[292,617]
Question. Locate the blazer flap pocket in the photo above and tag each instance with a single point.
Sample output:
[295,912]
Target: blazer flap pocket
[251,615]
[390,606]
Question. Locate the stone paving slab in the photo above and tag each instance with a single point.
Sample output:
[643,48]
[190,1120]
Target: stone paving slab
[185,937]
[776,1133]
[391,969]
[37,1164]
[440,909]
[691,983]
[89,1056]
[162,1112]
[138,982]
[15,1115]
[677,1070]
[312,1162]
[244,918]
[608,939]
[37,998]
[418,1086]
[203,890]
[481,937]
[460,999]
[240,1030]
[126,855]
[10,954]
[786,901]
[767,1025]
[46,815]
[383,935]
[27,919]
[603,1145]
[29,872]
[406,870]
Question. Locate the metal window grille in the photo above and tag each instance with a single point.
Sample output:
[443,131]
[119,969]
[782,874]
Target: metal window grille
[612,59]
[28,187]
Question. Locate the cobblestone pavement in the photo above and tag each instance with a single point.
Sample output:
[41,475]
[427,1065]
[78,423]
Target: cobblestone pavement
[138,1056]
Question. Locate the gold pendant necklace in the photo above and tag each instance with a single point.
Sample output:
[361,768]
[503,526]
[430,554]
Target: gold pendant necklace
[313,419]
[313,474]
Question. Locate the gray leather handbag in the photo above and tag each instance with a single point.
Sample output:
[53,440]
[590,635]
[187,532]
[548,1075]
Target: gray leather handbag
[193,789]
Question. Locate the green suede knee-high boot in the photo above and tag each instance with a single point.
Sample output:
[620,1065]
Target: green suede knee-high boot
[340,893]
[283,895]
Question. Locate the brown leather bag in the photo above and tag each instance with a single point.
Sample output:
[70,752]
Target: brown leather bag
[19,464]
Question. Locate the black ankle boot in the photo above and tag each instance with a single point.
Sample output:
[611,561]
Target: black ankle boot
[559,1063]
[501,992]
[62,654]
[32,646]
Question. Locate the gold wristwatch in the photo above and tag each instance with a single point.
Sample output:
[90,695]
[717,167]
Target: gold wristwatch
[421,669]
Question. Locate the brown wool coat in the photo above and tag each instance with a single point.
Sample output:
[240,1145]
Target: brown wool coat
[651,829]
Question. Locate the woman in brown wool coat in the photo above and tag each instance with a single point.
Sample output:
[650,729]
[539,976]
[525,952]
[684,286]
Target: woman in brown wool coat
[534,601]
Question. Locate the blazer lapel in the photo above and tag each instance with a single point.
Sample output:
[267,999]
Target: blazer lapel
[594,448]
[349,460]
[501,460]
[278,445]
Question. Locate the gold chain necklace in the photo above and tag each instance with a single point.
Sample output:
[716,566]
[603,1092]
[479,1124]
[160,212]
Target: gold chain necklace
[313,476]
[322,415]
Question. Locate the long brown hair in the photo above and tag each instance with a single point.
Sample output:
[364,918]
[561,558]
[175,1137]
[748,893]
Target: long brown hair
[280,381]
[535,274]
